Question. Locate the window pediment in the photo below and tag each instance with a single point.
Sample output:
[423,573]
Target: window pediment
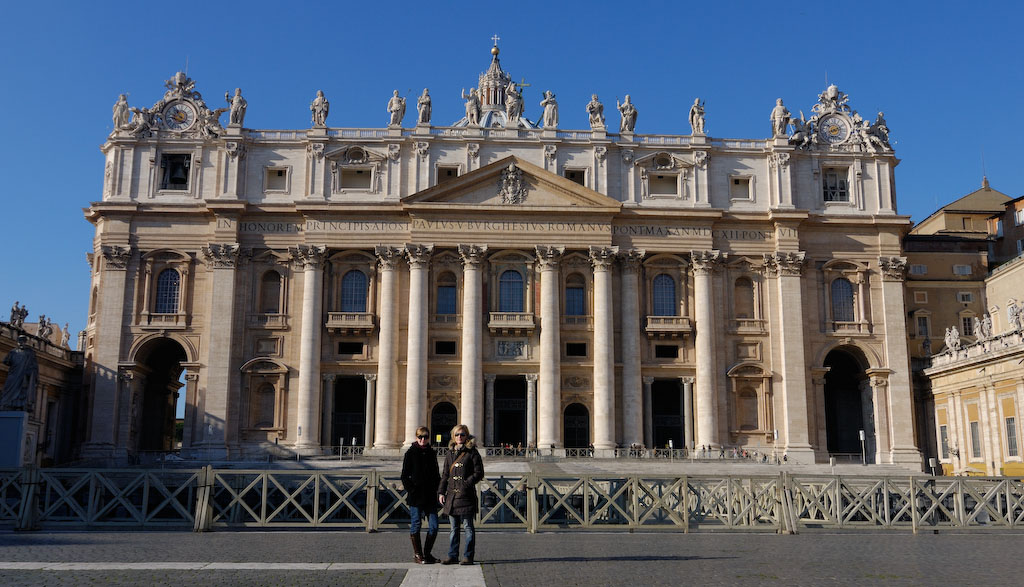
[662,161]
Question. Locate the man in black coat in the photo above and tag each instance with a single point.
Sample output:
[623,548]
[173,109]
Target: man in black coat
[463,469]
[420,479]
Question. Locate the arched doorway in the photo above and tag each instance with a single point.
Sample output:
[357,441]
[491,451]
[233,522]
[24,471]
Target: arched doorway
[158,364]
[848,404]
[577,426]
[510,411]
[443,418]
[667,413]
[348,420]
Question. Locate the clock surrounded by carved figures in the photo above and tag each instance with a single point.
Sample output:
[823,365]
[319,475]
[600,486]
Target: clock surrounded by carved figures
[179,115]
[833,129]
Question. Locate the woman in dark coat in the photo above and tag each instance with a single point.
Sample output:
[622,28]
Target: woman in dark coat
[463,469]
[420,479]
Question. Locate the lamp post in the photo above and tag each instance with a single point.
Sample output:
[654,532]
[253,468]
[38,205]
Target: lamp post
[863,458]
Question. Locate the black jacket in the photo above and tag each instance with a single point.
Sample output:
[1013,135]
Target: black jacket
[420,477]
[462,470]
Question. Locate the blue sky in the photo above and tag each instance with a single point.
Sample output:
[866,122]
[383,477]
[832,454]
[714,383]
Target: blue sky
[947,74]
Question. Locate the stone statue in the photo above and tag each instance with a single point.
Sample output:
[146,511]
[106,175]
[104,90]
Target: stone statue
[952,339]
[628,112]
[513,104]
[595,110]
[926,346]
[122,115]
[979,331]
[803,134]
[780,119]
[65,336]
[472,106]
[19,393]
[550,110]
[320,107]
[697,117]
[1013,315]
[44,329]
[396,106]
[238,105]
[423,108]
[142,121]
[15,314]
[986,326]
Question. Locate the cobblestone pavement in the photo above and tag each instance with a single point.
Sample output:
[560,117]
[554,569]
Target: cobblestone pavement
[579,558]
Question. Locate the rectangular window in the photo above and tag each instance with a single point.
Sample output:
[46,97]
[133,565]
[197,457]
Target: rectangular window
[574,301]
[350,348]
[664,185]
[919,270]
[276,180]
[962,270]
[944,441]
[967,326]
[967,223]
[1011,437]
[975,441]
[575,349]
[920,297]
[1018,216]
[666,351]
[446,173]
[355,179]
[964,297]
[834,185]
[576,175]
[445,347]
[922,326]
[999,227]
[175,172]
[739,188]
[446,299]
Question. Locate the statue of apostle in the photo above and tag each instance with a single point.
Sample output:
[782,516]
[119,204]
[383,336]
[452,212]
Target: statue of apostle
[19,393]
[320,107]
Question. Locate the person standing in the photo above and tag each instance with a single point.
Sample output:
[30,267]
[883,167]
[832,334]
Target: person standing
[463,469]
[420,479]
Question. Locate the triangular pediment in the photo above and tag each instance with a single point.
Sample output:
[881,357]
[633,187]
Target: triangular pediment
[514,184]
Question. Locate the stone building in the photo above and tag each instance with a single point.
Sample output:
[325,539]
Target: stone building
[548,287]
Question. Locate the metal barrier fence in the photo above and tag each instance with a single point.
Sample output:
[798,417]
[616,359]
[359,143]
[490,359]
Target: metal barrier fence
[206,498]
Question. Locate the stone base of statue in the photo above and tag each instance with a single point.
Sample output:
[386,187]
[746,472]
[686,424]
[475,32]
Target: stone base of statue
[422,129]
[394,131]
[599,133]
[699,139]
[549,133]
[317,131]
[780,141]
[626,136]
[14,437]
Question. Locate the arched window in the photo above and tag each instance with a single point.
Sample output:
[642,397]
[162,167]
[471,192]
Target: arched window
[747,409]
[270,293]
[446,299]
[664,295]
[263,406]
[575,300]
[842,300]
[168,291]
[743,298]
[510,292]
[353,291]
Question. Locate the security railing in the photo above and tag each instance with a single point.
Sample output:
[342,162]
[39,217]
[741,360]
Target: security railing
[206,498]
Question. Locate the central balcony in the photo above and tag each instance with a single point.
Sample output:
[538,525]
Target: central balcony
[668,326]
[346,323]
[510,323]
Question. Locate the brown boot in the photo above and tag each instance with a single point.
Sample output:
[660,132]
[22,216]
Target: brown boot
[428,544]
[417,550]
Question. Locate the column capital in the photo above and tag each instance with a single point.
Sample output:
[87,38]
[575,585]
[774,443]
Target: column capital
[893,268]
[687,380]
[308,256]
[329,377]
[370,376]
[531,377]
[116,256]
[221,255]
[388,256]
[631,259]
[490,377]
[648,380]
[473,255]
[419,255]
[707,262]
[548,257]
[603,257]
[791,263]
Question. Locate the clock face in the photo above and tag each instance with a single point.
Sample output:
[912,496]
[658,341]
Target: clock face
[833,129]
[179,116]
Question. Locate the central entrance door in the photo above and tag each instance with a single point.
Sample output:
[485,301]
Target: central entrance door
[667,413]
[848,407]
[510,410]
[577,426]
[348,420]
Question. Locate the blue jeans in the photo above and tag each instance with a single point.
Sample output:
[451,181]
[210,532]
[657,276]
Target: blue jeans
[417,515]
[453,536]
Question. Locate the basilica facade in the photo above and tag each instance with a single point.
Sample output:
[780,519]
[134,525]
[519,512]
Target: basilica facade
[549,288]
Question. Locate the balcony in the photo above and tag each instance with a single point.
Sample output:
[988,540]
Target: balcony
[443,320]
[269,321]
[510,323]
[350,322]
[578,322]
[175,321]
[748,326]
[668,326]
[838,328]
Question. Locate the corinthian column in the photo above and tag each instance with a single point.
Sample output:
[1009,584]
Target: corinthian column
[629,347]
[796,432]
[531,410]
[416,372]
[384,425]
[901,393]
[705,263]
[472,413]
[549,388]
[311,258]
[604,348]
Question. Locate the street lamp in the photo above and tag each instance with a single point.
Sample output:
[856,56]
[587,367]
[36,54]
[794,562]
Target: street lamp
[863,458]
